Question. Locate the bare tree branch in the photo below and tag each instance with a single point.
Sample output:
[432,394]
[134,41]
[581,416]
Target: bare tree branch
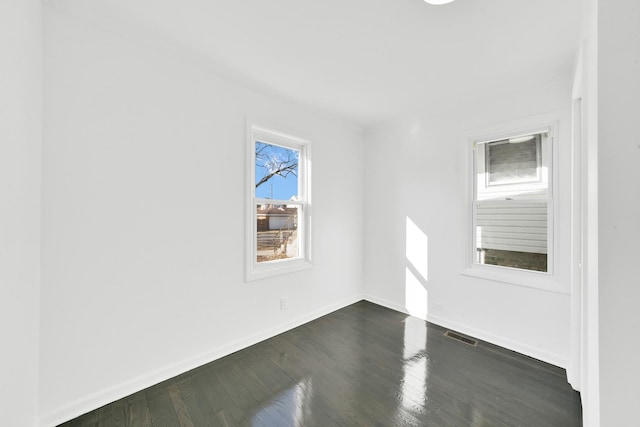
[274,165]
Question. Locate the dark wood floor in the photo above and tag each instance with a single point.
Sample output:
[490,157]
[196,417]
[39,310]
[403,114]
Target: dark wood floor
[364,365]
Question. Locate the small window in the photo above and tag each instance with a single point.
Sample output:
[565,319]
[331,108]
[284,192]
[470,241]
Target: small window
[279,204]
[513,203]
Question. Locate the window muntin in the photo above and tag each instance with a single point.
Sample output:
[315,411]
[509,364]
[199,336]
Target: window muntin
[279,204]
[512,210]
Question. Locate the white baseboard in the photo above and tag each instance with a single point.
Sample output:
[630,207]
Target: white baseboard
[516,346]
[118,391]
[386,303]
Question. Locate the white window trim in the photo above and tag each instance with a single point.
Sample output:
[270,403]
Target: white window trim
[533,279]
[255,270]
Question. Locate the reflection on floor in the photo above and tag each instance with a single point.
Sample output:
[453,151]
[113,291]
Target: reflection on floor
[364,365]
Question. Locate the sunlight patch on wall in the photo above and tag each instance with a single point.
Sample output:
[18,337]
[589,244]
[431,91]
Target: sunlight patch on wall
[415,295]
[417,249]
[416,271]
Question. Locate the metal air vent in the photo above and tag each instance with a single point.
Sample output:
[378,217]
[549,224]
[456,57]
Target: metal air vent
[456,336]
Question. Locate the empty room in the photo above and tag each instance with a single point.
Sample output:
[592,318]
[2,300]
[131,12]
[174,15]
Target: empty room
[336,213]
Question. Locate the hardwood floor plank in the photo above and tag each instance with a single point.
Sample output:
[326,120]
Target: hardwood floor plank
[112,414]
[182,413]
[161,407]
[194,403]
[89,419]
[136,410]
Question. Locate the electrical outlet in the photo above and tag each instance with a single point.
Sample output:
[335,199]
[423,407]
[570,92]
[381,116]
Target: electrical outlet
[283,303]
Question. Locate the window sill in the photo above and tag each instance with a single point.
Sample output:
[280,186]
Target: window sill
[277,268]
[528,279]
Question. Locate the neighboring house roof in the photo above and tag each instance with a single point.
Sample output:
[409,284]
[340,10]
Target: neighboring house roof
[276,210]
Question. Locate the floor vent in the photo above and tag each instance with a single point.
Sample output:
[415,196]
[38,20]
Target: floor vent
[461,338]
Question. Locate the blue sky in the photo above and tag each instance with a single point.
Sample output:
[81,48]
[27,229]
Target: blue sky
[277,187]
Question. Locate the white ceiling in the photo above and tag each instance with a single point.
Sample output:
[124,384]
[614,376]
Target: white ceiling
[363,60]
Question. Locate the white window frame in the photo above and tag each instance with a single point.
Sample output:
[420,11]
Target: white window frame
[528,278]
[255,270]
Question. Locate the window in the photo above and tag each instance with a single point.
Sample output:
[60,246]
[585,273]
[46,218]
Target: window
[512,201]
[279,209]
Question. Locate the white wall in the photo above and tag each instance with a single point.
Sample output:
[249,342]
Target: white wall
[20,146]
[144,158]
[619,208]
[413,173]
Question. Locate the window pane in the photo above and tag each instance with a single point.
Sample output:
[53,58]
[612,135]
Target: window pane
[512,234]
[276,172]
[513,160]
[277,232]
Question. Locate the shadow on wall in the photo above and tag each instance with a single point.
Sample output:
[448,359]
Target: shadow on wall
[416,271]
